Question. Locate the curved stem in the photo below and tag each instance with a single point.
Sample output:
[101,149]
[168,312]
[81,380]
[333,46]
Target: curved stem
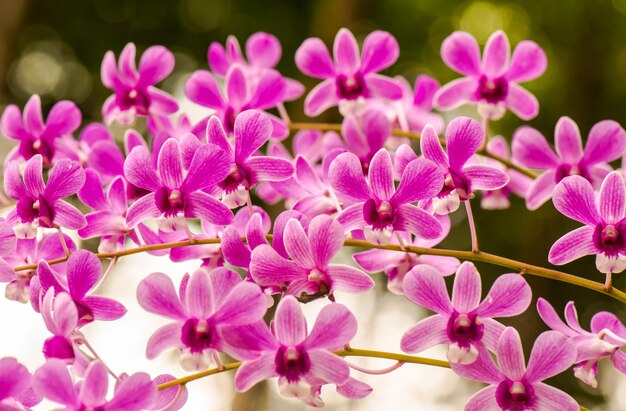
[382,371]
[472,226]
[518,266]
[413,136]
[352,352]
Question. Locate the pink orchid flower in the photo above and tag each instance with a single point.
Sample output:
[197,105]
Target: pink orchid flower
[513,385]
[464,323]
[607,337]
[300,359]
[349,78]
[606,142]
[135,93]
[492,83]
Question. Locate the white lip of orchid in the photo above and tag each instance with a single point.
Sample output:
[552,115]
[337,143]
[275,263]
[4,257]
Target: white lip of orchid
[587,374]
[195,361]
[380,237]
[458,355]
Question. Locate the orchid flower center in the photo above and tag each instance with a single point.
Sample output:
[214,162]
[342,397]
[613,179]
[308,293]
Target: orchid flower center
[492,90]
[197,335]
[610,239]
[229,119]
[137,98]
[170,202]
[350,87]
[378,216]
[316,276]
[29,209]
[292,362]
[36,145]
[237,176]
[465,329]
[458,182]
[565,170]
[176,199]
[515,395]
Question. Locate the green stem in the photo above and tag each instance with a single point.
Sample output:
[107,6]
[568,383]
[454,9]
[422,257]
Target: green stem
[524,268]
[413,136]
[351,352]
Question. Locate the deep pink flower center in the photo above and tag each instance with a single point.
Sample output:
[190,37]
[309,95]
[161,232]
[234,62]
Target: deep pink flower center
[565,170]
[610,238]
[292,362]
[229,119]
[30,147]
[378,214]
[28,209]
[465,329]
[515,395]
[169,202]
[456,181]
[237,176]
[197,334]
[350,87]
[492,90]
[133,97]
[58,347]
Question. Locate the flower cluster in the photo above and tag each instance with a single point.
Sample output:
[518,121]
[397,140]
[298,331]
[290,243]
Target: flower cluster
[196,192]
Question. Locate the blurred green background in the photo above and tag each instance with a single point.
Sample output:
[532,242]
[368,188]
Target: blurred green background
[54,48]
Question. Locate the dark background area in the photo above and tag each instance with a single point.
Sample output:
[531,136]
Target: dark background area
[54,48]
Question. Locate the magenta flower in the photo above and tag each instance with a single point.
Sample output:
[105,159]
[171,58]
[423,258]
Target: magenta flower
[606,338]
[61,318]
[380,208]
[15,386]
[172,193]
[464,137]
[516,387]
[252,129]
[309,271]
[235,251]
[83,272]
[350,77]
[108,219]
[54,381]
[263,52]
[518,182]
[239,95]
[396,264]
[29,251]
[306,191]
[205,305]
[492,83]
[81,150]
[414,110]
[606,142]
[298,358]
[135,93]
[365,134]
[604,233]
[465,323]
[34,135]
[40,204]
